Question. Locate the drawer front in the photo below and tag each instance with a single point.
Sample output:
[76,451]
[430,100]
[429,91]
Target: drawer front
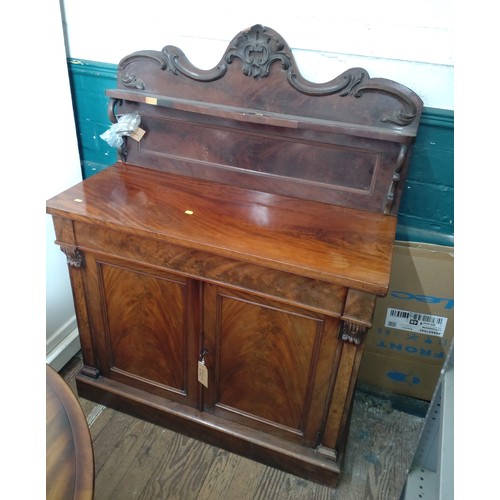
[319,296]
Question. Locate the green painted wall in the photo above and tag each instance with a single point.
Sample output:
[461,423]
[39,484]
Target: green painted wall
[426,211]
[89,81]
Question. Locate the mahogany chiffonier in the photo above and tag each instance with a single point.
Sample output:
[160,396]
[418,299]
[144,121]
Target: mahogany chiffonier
[226,268]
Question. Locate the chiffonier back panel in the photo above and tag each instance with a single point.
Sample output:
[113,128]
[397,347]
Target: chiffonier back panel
[255,122]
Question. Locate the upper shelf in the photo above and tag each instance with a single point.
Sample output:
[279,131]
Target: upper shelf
[262,117]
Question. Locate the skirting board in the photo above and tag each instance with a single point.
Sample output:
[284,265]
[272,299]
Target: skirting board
[64,350]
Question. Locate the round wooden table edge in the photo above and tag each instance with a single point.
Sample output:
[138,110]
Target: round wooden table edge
[84,455]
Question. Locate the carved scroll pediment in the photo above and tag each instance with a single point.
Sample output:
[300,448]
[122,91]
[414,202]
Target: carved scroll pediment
[260,50]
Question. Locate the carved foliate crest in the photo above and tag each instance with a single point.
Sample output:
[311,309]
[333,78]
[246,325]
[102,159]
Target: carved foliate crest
[258,49]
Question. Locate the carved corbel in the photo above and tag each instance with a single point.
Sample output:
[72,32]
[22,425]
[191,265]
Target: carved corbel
[357,316]
[73,256]
[396,178]
[352,332]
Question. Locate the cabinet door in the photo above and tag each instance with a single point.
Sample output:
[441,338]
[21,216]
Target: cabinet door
[146,327]
[270,365]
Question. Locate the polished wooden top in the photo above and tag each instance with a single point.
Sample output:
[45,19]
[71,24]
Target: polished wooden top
[70,459]
[340,245]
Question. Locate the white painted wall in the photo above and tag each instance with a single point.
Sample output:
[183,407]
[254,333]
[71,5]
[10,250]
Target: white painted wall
[62,171]
[59,162]
[39,158]
[407,41]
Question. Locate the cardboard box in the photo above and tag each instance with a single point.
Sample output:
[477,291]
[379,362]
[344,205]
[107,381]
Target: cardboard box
[401,376]
[413,325]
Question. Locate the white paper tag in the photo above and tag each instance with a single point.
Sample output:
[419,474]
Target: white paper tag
[415,322]
[138,134]
[202,374]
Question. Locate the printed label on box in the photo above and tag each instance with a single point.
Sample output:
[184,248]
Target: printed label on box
[415,322]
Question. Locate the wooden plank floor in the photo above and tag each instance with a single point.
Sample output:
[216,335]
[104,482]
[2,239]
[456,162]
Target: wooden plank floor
[138,460]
